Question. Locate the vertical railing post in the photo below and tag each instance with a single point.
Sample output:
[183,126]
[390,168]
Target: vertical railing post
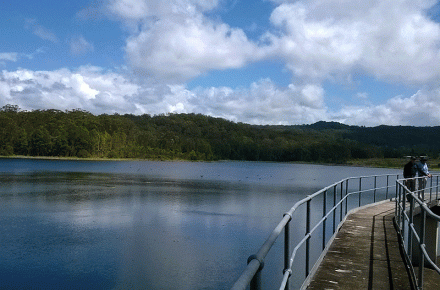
[340,213]
[308,239]
[386,194]
[360,189]
[422,243]
[404,193]
[400,207]
[411,224]
[287,248]
[334,211]
[430,189]
[375,183]
[436,191]
[398,189]
[396,214]
[346,198]
[256,281]
[324,222]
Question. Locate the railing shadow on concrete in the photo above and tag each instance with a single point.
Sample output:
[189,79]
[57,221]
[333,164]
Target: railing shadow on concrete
[417,224]
[338,195]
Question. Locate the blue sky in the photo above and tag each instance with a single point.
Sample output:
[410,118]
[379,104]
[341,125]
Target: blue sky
[260,62]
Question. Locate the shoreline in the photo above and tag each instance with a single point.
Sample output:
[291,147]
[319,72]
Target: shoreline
[391,163]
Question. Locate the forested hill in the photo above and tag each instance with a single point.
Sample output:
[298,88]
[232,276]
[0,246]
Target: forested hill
[406,140]
[78,133]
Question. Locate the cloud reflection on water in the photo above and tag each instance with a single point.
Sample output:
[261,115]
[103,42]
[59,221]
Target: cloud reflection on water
[165,228]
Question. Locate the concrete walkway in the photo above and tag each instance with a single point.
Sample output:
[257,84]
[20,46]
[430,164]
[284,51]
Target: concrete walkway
[365,254]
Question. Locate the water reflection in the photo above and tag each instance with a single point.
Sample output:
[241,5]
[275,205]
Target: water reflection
[144,225]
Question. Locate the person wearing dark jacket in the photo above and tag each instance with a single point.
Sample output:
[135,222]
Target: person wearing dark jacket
[410,171]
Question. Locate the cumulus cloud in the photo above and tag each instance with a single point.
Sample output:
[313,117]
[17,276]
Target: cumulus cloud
[394,40]
[181,49]
[263,102]
[99,91]
[88,88]
[421,109]
[389,39]
[173,41]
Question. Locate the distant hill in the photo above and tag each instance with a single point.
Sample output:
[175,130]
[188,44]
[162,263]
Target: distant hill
[323,125]
[397,136]
[395,140]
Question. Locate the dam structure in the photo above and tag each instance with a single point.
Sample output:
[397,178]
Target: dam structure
[371,232]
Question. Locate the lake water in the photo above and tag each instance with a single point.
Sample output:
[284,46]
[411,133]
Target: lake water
[146,224]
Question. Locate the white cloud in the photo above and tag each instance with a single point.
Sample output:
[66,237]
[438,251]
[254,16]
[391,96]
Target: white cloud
[141,9]
[87,88]
[263,103]
[390,39]
[181,49]
[79,45]
[312,96]
[40,31]
[421,109]
[99,91]
[132,9]
[15,56]
[362,96]
[173,41]
[170,42]
[9,56]
[33,54]
[395,40]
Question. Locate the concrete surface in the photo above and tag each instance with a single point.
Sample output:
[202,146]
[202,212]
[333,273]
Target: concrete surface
[365,254]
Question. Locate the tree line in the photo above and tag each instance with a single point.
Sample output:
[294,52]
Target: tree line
[78,133]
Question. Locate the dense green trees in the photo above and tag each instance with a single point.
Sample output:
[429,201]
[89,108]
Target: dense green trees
[78,133]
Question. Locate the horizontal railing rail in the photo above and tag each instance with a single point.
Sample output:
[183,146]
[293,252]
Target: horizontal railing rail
[340,191]
[410,203]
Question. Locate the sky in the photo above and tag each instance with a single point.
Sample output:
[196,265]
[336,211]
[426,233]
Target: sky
[277,62]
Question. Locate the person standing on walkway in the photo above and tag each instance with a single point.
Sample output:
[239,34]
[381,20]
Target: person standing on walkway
[410,171]
[423,171]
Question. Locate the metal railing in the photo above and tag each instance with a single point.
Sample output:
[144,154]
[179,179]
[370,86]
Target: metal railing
[413,234]
[334,200]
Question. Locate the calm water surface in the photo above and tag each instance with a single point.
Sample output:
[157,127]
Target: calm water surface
[145,224]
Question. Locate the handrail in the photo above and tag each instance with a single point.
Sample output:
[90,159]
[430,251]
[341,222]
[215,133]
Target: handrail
[252,273]
[288,271]
[404,219]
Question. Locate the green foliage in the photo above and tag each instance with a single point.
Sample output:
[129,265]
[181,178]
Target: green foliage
[78,133]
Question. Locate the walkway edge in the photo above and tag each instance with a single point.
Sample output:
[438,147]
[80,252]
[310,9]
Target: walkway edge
[329,243]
